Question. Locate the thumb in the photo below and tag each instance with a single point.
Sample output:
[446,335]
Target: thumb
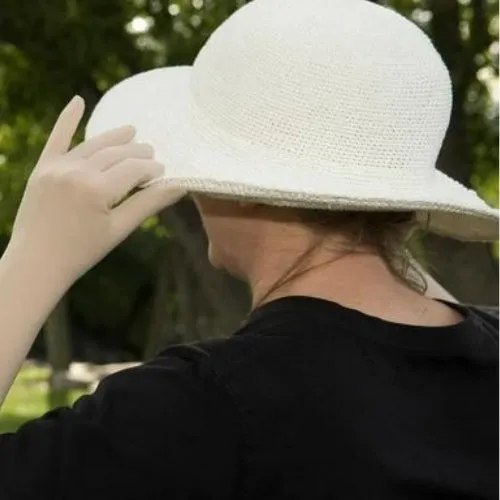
[143,204]
[64,129]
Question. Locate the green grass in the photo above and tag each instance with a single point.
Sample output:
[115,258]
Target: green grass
[29,397]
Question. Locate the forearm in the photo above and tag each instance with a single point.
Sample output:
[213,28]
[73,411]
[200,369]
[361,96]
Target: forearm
[29,290]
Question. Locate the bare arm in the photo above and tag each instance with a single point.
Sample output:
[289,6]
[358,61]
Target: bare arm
[75,209]
[28,293]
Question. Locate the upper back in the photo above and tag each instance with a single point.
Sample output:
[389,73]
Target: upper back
[334,403]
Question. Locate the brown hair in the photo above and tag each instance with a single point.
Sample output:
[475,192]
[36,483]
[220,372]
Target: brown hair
[386,233]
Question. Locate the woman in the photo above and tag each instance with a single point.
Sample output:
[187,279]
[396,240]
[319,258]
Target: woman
[308,140]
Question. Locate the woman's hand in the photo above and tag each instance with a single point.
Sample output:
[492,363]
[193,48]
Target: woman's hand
[75,208]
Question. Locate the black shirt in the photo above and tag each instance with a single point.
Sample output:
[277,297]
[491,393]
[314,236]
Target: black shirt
[309,400]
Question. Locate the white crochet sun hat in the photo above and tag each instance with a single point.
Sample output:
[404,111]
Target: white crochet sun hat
[331,104]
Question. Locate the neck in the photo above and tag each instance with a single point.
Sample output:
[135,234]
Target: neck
[360,281]
[340,278]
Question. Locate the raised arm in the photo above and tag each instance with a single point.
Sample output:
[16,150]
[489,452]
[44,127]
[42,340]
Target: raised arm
[75,209]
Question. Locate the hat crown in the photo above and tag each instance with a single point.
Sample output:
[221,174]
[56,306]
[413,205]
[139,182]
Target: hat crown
[330,82]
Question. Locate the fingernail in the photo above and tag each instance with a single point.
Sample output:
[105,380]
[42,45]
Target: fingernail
[130,128]
[76,99]
[148,148]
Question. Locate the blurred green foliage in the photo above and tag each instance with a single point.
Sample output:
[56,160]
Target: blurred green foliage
[27,398]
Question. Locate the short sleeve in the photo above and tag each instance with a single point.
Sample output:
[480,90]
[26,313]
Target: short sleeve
[160,430]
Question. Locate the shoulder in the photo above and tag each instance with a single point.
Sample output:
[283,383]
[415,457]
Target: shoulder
[251,342]
[488,313]
[158,427]
[175,385]
[486,317]
[253,365]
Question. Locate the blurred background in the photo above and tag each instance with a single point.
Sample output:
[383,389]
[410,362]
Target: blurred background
[158,288]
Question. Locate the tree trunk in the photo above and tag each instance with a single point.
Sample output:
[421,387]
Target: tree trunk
[162,327]
[186,292]
[228,297]
[469,271]
[58,348]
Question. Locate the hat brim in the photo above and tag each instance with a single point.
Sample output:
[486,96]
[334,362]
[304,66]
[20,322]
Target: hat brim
[201,158]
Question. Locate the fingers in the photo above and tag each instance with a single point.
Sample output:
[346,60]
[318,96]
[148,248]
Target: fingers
[143,204]
[115,137]
[129,174]
[106,158]
[64,129]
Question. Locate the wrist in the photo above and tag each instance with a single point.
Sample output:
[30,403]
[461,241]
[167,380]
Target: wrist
[27,265]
